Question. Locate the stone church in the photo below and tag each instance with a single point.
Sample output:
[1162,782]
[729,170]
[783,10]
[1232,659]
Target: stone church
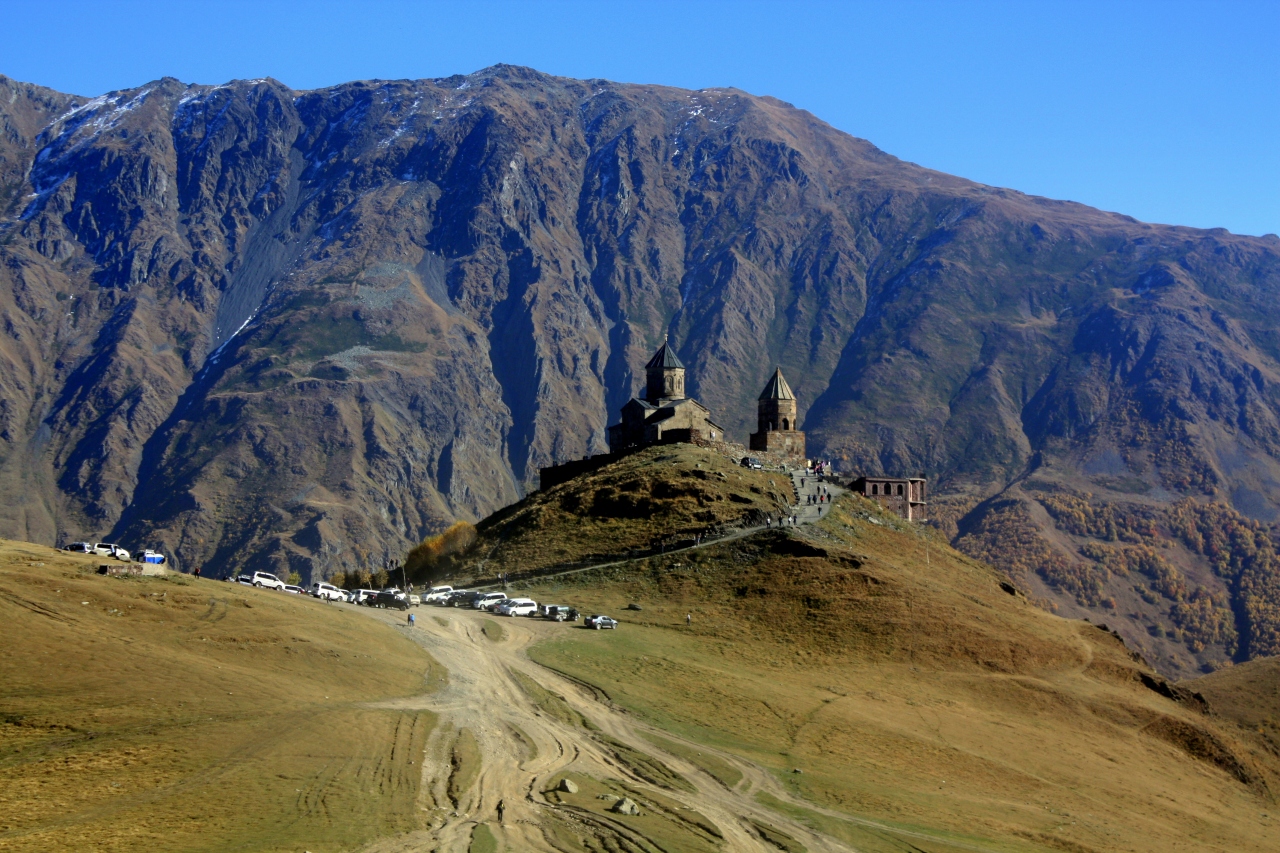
[664,413]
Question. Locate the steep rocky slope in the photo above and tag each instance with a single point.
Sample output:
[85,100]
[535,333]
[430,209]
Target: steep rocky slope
[252,325]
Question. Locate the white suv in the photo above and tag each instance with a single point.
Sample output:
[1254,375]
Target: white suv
[106,549]
[437,594]
[489,599]
[327,591]
[261,579]
[517,607]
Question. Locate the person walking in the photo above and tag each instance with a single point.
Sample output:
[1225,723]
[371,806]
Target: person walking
[411,621]
[688,619]
[196,571]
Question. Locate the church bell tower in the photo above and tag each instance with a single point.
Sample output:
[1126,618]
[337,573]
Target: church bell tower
[776,420]
[664,377]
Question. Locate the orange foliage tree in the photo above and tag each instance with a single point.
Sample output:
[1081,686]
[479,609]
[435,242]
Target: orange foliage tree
[435,555]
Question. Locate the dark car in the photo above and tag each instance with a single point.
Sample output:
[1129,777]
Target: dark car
[396,600]
[599,622]
[465,599]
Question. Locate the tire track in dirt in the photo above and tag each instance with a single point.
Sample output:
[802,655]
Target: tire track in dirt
[485,697]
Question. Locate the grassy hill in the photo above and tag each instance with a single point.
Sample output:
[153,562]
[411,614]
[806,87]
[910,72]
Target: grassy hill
[857,678]
[1248,695]
[888,677]
[181,714]
[659,496]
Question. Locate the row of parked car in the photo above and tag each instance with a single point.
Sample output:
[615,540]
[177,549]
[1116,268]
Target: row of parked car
[444,596]
[109,549]
[500,604]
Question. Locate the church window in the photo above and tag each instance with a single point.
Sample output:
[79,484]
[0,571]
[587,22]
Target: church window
[899,491]
[784,424]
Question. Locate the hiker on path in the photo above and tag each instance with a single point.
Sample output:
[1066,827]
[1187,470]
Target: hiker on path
[411,620]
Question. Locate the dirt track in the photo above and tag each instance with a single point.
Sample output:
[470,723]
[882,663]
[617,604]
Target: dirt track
[507,794]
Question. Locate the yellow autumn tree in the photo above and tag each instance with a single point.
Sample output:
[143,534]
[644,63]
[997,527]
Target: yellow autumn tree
[435,555]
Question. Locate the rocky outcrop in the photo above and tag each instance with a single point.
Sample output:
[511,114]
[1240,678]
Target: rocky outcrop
[252,326]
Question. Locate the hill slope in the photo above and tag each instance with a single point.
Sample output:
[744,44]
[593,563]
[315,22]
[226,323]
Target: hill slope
[262,327]
[854,684]
[183,714]
[892,684]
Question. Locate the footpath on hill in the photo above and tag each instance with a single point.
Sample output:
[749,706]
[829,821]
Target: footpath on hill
[813,501]
[510,731]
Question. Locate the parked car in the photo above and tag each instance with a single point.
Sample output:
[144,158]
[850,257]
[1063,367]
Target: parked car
[363,596]
[387,598]
[154,557]
[245,579]
[485,599]
[80,548]
[106,549]
[327,591]
[599,622]
[751,462]
[559,613]
[462,598]
[517,607]
[437,594]
[415,600]
[296,590]
[268,580]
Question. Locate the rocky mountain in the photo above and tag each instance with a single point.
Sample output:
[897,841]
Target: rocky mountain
[300,330]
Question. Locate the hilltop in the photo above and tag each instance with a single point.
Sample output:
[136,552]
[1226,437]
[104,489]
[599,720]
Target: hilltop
[660,497]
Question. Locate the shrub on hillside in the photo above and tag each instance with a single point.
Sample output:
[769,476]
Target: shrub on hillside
[435,555]
[1077,513]
[1243,553]
[1006,536]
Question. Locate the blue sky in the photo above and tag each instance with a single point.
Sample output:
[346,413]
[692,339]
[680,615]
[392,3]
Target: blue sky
[1166,111]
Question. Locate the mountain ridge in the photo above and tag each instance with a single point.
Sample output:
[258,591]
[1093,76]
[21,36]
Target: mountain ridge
[300,330]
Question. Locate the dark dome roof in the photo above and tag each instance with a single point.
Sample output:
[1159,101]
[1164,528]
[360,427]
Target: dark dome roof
[663,358]
[777,389]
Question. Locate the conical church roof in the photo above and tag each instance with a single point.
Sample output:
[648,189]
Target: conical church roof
[777,388]
[664,357]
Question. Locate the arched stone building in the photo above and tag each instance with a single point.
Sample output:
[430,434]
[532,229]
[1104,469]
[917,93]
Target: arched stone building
[664,413]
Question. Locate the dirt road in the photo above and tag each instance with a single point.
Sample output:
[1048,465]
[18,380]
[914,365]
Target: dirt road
[502,743]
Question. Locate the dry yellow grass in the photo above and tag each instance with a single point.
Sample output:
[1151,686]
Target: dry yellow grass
[1248,695]
[179,714]
[926,706]
[664,494]
[914,691]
